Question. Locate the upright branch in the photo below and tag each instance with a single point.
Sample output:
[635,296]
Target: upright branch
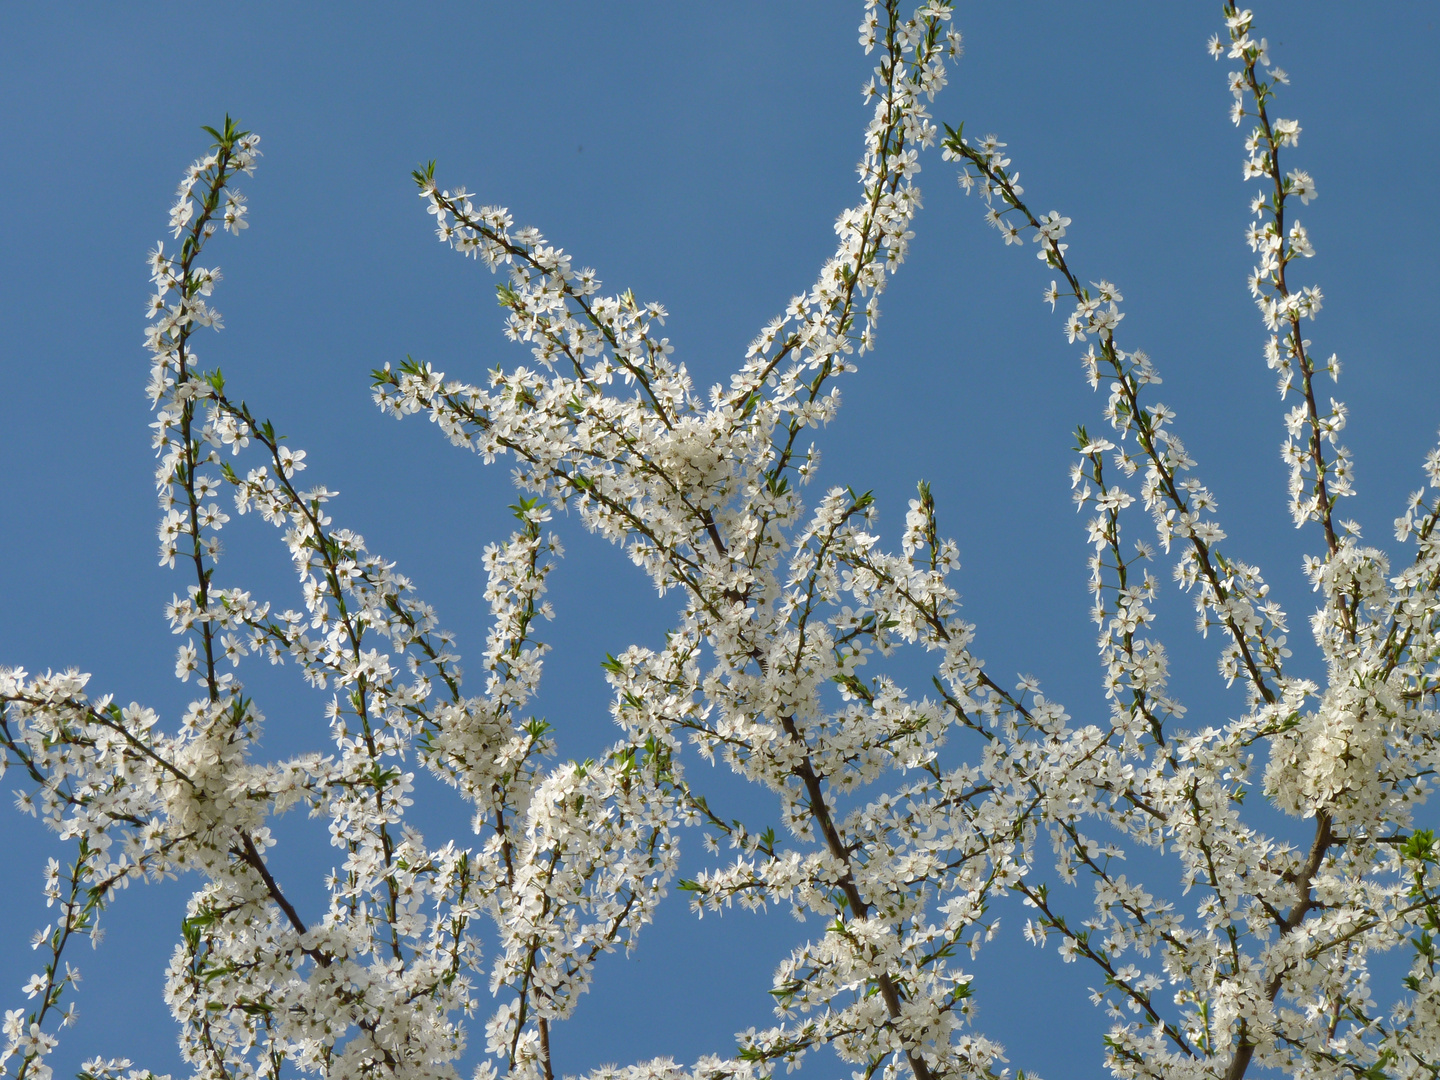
[1270,931]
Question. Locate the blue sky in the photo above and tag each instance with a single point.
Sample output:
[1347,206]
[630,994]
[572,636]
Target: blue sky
[699,155]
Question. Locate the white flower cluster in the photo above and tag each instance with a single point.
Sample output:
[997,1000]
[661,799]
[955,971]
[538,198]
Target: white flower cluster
[574,858]
[905,818]
[1275,971]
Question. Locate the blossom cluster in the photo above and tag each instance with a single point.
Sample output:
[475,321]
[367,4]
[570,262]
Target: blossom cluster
[573,861]
[1275,970]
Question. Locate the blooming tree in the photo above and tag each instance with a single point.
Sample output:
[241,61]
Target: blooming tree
[905,813]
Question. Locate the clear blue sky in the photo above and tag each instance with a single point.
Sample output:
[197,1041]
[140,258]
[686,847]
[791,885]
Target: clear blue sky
[699,155]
